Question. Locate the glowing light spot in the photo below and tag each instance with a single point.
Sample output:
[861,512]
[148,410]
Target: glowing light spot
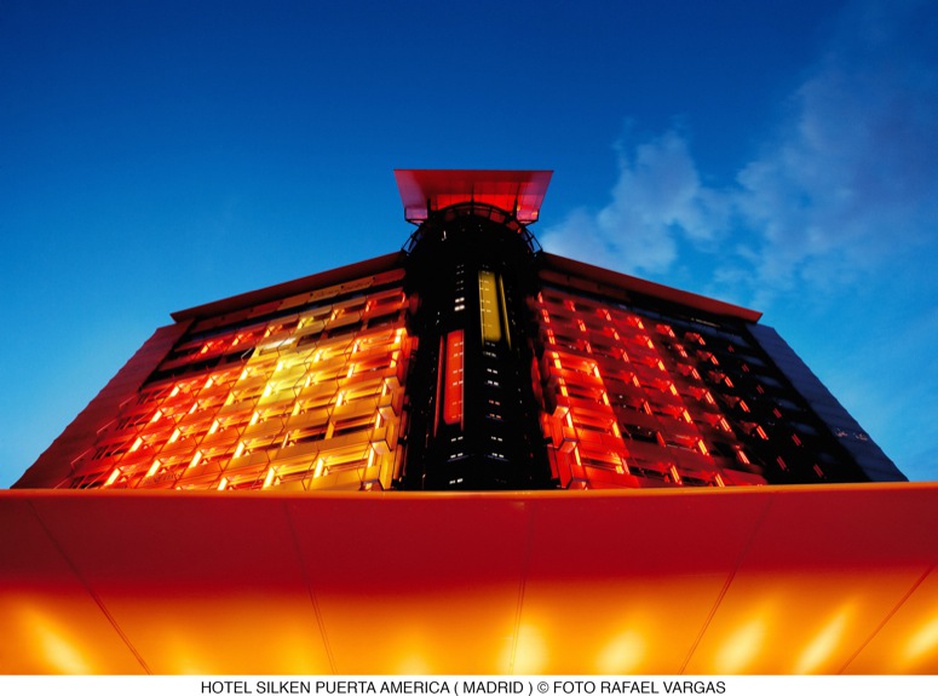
[61,654]
[623,655]
[924,641]
[741,648]
[824,644]
[414,664]
[529,653]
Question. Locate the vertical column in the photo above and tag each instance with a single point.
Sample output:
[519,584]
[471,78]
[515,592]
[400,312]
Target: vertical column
[474,417]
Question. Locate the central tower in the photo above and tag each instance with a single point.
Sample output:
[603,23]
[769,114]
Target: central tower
[470,272]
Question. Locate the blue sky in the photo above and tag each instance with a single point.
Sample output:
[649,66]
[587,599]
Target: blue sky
[784,156]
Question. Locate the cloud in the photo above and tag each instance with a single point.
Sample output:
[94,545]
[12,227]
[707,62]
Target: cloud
[657,199]
[853,176]
[848,180]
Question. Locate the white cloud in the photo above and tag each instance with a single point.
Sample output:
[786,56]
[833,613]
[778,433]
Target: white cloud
[853,178]
[657,199]
[848,181]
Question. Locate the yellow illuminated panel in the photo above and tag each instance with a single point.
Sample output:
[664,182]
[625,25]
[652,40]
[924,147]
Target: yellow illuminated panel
[306,399]
[489,307]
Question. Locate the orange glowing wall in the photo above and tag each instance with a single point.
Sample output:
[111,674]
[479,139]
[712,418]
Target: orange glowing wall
[302,393]
[633,402]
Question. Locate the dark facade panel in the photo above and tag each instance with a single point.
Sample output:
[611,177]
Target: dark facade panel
[866,453]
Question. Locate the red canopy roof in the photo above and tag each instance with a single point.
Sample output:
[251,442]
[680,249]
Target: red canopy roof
[518,192]
[767,580]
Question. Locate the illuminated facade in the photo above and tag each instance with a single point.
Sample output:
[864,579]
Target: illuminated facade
[302,392]
[453,458]
[470,360]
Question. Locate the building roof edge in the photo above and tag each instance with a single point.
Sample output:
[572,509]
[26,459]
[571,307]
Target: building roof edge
[315,281]
[604,276]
